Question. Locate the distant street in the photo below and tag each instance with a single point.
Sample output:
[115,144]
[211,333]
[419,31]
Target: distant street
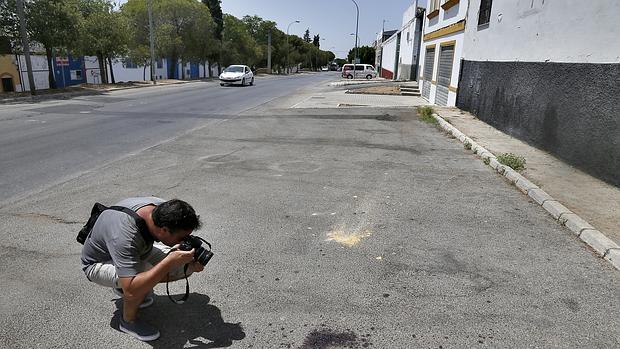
[46,142]
[341,227]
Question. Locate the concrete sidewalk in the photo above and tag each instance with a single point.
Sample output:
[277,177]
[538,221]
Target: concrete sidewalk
[89,89]
[592,199]
[339,99]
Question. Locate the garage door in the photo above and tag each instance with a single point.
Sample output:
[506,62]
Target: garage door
[444,74]
[429,60]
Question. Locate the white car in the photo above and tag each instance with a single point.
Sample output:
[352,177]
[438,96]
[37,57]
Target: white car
[237,74]
[361,71]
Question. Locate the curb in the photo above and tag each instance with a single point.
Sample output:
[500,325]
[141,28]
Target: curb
[356,82]
[37,98]
[112,89]
[602,245]
[84,92]
[351,92]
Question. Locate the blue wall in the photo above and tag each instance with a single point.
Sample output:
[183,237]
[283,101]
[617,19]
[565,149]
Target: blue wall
[76,63]
[195,71]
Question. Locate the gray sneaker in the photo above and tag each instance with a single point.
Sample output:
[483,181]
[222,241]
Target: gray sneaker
[147,302]
[139,329]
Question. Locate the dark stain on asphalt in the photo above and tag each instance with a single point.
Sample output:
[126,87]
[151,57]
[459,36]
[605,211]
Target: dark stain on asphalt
[387,117]
[43,216]
[329,142]
[453,266]
[571,304]
[326,338]
[376,131]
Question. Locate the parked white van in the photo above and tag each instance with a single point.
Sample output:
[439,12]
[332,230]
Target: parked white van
[362,71]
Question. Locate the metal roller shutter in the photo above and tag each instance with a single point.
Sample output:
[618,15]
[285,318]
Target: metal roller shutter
[444,74]
[429,61]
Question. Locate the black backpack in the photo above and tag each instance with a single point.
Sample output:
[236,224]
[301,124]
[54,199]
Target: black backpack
[96,211]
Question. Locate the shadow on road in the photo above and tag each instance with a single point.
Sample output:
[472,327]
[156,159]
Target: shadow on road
[196,322]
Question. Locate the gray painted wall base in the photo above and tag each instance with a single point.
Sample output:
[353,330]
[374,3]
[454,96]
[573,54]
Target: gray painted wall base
[571,110]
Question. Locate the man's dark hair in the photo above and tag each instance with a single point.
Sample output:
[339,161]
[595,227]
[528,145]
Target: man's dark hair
[176,214]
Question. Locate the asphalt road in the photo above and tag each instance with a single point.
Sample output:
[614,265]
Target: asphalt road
[49,142]
[332,228]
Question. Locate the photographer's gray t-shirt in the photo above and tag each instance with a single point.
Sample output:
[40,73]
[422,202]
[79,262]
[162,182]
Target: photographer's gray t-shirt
[115,238]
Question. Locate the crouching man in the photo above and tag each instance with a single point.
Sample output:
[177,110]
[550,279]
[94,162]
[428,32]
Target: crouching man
[120,253]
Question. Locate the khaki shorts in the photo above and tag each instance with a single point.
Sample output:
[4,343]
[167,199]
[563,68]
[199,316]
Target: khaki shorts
[104,274]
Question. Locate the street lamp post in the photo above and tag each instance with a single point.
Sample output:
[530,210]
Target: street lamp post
[317,54]
[357,21]
[288,64]
[381,48]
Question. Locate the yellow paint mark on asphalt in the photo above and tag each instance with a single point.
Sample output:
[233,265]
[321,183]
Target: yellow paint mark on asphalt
[348,238]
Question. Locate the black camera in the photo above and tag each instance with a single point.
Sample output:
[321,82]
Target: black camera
[201,254]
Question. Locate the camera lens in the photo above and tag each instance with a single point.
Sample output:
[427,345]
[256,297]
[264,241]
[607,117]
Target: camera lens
[202,255]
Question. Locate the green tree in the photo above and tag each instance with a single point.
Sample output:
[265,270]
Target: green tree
[138,44]
[238,45]
[183,30]
[259,30]
[301,51]
[55,25]
[215,8]
[174,18]
[366,55]
[316,41]
[103,32]
[9,31]
[340,61]
[140,55]
[200,39]
[307,35]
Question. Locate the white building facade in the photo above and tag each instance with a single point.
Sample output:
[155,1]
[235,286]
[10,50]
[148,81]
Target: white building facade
[125,70]
[398,55]
[442,49]
[548,73]
[40,72]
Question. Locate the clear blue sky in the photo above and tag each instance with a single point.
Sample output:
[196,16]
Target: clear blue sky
[334,20]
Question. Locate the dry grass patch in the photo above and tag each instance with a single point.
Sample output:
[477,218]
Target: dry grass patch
[378,90]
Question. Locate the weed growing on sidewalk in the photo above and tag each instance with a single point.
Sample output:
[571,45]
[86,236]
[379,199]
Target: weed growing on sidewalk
[426,115]
[467,145]
[486,161]
[513,161]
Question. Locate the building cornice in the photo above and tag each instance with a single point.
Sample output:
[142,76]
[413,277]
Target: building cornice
[452,28]
[433,14]
[449,4]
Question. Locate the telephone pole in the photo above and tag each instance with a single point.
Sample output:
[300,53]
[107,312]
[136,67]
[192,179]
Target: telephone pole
[26,46]
[152,44]
[269,52]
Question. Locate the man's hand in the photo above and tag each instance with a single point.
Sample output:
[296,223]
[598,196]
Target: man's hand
[196,267]
[179,258]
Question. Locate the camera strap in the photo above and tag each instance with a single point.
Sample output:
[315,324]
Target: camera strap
[186,296]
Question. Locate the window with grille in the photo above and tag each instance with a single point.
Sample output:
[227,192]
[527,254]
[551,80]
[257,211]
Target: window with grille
[484,15]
